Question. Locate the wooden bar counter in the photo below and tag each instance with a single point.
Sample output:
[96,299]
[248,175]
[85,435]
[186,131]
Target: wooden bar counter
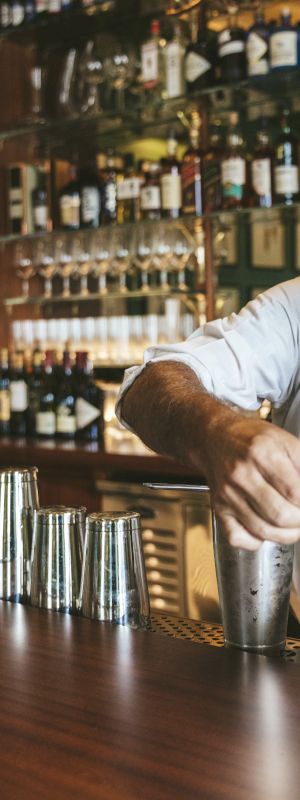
[91,711]
[68,472]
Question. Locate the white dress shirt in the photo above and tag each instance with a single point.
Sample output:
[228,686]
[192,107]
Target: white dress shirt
[244,359]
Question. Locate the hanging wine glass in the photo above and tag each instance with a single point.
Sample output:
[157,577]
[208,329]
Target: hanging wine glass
[100,269]
[180,259]
[25,270]
[47,269]
[120,71]
[120,267]
[162,260]
[65,269]
[83,270]
[143,262]
[91,75]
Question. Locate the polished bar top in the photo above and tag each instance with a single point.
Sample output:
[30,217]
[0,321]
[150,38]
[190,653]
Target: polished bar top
[91,711]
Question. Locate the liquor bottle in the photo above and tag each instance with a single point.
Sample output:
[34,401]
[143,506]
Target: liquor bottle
[170,181]
[129,193]
[284,44]
[151,59]
[231,52]
[65,400]
[18,392]
[69,202]
[34,382]
[39,200]
[211,170]
[200,54]
[5,14]
[45,415]
[233,166]
[286,169]
[88,403]
[54,6]
[41,7]
[173,55]
[16,200]
[30,10]
[262,168]
[191,172]
[150,191]
[90,198]
[4,394]
[17,12]
[257,46]
[110,167]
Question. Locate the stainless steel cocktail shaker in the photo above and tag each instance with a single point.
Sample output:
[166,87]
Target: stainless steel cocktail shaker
[18,498]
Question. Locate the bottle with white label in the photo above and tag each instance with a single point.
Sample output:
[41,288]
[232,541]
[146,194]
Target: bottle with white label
[284,44]
[233,167]
[39,201]
[90,197]
[286,169]
[200,54]
[151,52]
[45,420]
[170,181]
[231,52]
[88,403]
[150,190]
[65,400]
[257,46]
[18,395]
[173,54]
[69,203]
[129,192]
[262,168]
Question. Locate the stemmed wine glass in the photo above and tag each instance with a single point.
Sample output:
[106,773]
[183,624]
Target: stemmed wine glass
[65,268]
[143,261]
[83,269]
[100,269]
[181,257]
[25,270]
[91,76]
[47,268]
[120,266]
[120,71]
[162,260]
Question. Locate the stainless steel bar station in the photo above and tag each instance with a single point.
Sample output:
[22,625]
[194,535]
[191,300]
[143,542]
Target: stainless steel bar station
[150,400]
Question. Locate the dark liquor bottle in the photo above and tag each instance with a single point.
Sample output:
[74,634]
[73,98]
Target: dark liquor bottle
[34,381]
[262,168]
[89,402]
[4,394]
[286,169]
[39,199]
[200,54]
[191,172]
[231,52]
[45,416]
[211,170]
[129,193]
[16,200]
[110,167]
[69,203]
[65,400]
[18,391]
[90,197]
[150,191]
[284,44]
[233,167]
[170,181]
[257,46]
[30,10]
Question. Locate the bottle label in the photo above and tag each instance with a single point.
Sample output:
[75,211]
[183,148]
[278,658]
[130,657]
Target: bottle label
[40,217]
[191,187]
[128,189]
[149,54]
[5,15]
[54,6]
[195,66]
[65,421]
[4,405]
[174,55]
[171,191]
[45,423]
[286,180]
[150,198]
[18,396]
[233,176]
[90,204]
[230,48]
[261,176]
[283,49]
[17,14]
[69,210]
[257,51]
[110,198]
[41,6]
[85,413]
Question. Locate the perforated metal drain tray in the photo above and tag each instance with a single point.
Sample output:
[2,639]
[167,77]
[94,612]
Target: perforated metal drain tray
[205,633]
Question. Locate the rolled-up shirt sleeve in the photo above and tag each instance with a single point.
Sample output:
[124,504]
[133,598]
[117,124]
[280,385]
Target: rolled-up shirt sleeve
[244,358]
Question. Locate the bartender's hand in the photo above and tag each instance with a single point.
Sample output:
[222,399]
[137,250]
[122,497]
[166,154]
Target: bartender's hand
[254,475]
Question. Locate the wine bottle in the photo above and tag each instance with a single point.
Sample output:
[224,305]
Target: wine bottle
[88,402]
[69,202]
[65,400]
[4,394]
[173,55]
[231,52]
[191,172]
[200,54]
[170,181]
[284,44]
[34,382]
[90,197]
[286,170]
[45,416]
[257,46]
[129,193]
[110,167]
[39,200]
[233,166]
[262,168]
[151,60]
[150,191]
[211,170]
[18,391]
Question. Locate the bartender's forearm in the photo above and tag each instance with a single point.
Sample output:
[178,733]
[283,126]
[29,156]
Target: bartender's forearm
[172,413]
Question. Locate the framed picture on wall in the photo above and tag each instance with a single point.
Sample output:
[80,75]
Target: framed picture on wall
[267,240]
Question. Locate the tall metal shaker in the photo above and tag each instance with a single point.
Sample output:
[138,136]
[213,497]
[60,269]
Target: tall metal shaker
[18,499]
[254,588]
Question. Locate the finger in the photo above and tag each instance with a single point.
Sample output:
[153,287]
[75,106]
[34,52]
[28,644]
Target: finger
[253,523]
[236,535]
[279,470]
[268,503]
